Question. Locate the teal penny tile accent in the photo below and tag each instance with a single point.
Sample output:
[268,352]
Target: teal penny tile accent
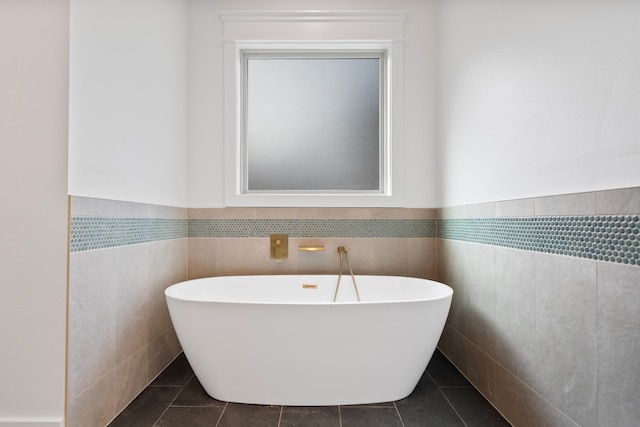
[603,238]
[90,233]
[366,228]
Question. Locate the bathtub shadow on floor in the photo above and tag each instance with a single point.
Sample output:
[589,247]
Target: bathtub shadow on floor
[442,398]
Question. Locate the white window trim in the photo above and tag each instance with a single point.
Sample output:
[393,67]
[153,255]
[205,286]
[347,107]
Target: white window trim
[242,33]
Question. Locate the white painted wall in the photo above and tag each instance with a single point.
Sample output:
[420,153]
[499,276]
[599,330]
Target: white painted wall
[206,86]
[128,100]
[535,98]
[34,39]
[129,108]
[538,98]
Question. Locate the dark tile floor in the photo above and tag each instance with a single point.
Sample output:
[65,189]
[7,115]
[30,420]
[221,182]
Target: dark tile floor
[442,398]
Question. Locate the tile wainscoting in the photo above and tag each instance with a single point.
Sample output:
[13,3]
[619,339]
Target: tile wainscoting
[123,256]
[544,319]
[120,333]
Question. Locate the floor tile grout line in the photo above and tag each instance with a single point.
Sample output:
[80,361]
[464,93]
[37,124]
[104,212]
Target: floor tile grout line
[173,400]
[164,386]
[398,413]
[280,417]
[455,386]
[448,401]
[222,413]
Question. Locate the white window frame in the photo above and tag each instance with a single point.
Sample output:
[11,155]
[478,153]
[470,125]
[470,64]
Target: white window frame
[245,38]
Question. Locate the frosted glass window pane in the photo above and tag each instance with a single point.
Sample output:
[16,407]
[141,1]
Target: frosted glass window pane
[313,124]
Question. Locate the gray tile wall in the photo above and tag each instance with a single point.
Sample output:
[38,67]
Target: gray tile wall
[550,338]
[120,333]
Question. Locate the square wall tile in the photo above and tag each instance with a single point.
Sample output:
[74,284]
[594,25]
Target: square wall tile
[565,342]
[515,311]
[624,201]
[567,204]
[92,319]
[618,345]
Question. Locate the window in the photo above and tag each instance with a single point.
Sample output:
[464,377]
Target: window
[313,122]
[313,107]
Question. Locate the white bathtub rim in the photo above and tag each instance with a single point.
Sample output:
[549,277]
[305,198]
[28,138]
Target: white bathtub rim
[444,291]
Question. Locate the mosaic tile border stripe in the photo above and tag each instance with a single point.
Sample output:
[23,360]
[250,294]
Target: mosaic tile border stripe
[603,238]
[90,233]
[364,228]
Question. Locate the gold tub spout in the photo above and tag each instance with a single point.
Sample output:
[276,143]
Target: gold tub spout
[311,249]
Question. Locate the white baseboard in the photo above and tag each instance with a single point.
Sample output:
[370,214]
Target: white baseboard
[59,422]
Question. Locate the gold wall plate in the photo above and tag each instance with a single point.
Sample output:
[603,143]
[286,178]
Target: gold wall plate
[279,247]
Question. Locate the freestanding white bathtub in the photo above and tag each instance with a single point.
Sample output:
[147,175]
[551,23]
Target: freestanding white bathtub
[281,340]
